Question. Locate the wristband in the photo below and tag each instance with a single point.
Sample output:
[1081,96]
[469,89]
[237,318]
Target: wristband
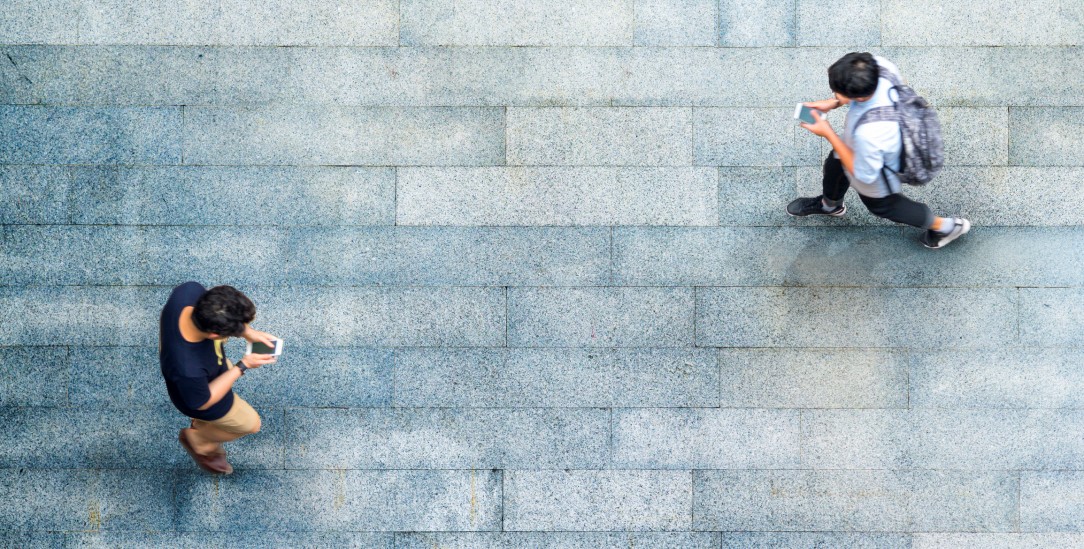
[241,366]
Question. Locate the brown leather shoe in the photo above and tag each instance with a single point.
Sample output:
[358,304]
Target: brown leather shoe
[213,463]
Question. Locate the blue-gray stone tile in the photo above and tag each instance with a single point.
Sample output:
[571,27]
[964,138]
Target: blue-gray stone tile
[1051,317]
[676,22]
[1002,378]
[90,316]
[40,21]
[86,500]
[556,377]
[116,377]
[238,256]
[317,500]
[856,439]
[317,377]
[1052,501]
[997,541]
[1046,136]
[751,137]
[190,22]
[429,438]
[975,136]
[34,194]
[655,438]
[813,540]
[557,196]
[557,540]
[34,376]
[311,135]
[621,136]
[802,500]
[756,196]
[755,23]
[854,317]
[388,317]
[111,438]
[813,378]
[991,439]
[251,539]
[286,23]
[451,256]
[92,135]
[517,23]
[62,255]
[598,500]
[838,23]
[965,501]
[280,196]
[600,317]
[995,23]
[32,539]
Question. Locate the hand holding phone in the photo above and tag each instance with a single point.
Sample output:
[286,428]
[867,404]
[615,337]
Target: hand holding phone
[805,114]
[261,348]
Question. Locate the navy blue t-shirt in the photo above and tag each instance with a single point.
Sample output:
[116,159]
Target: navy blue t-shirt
[188,368]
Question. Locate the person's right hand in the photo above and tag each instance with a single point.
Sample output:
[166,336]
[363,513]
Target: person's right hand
[254,360]
[823,105]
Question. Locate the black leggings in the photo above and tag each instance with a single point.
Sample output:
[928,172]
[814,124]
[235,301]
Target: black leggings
[894,207]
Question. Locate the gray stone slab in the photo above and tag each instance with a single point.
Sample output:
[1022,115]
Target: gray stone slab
[791,500]
[1050,317]
[34,194]
[758,196]
[319,377]
[812,378]
[756,23]
[624,136]
[112,438]
[116,377]
[30,539]
[676,22]
[976,76]
[451,256]
[67,255]
[752,137]
[82,500]
[598,500]
[556,196]
[1003,378]
[1052,501]
[965,501]
[997,23]
[845,256]
[238,256]
[856,439]
[91,316]
[192,22]
[251,539]
[428,438]
[65,135]
[40,21]
[556,377]
[517,23]
[997,541]
[990,439]
[813,540]
[319,501]
[861,26]
[389,317]
[1046,136]
[975,136]
[34,376]
[600,317]
[653,438]
[281,196]
[558,540]
[311,135]
[286,23]
[853,317]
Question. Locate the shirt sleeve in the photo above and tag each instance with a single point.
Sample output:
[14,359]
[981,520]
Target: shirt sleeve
[871,142]
[194,391]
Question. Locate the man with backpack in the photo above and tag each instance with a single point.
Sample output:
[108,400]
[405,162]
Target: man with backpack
[891,136]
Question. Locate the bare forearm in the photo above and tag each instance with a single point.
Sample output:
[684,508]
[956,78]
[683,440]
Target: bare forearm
[221,385]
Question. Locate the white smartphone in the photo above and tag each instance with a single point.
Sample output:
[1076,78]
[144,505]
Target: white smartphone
[805,114]
[262,349]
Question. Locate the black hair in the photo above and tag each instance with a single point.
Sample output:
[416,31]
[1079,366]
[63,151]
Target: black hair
[223,310]
[854,75]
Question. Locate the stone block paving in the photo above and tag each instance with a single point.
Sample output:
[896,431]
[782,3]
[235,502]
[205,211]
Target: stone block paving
[532,264]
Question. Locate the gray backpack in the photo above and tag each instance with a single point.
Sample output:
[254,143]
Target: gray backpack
[923,153]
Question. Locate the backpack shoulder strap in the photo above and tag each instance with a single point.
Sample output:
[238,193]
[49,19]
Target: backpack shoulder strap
[879,114]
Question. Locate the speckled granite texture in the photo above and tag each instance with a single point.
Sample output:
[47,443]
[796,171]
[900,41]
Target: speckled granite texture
[538,288]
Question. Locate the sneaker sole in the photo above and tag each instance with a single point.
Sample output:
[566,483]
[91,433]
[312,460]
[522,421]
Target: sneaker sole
[836,214]
[965,227]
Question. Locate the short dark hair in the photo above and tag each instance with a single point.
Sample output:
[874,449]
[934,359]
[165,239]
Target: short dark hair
[854,75]
[223,310]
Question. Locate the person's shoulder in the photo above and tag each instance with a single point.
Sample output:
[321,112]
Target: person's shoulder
[882,132]
[190,288]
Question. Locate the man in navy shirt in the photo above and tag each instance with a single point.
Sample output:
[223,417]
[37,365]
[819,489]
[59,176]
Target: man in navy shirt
[194,326]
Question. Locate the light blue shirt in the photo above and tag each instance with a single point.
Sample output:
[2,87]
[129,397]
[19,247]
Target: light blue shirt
[875,144]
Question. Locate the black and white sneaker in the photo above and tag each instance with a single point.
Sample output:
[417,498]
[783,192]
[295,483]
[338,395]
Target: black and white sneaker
[801,207]
[935,240]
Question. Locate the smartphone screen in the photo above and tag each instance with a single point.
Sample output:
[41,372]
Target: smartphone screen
[262,349]
[806,115]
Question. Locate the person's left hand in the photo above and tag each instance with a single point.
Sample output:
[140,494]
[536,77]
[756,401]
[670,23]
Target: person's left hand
[255,336]
[821,127]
